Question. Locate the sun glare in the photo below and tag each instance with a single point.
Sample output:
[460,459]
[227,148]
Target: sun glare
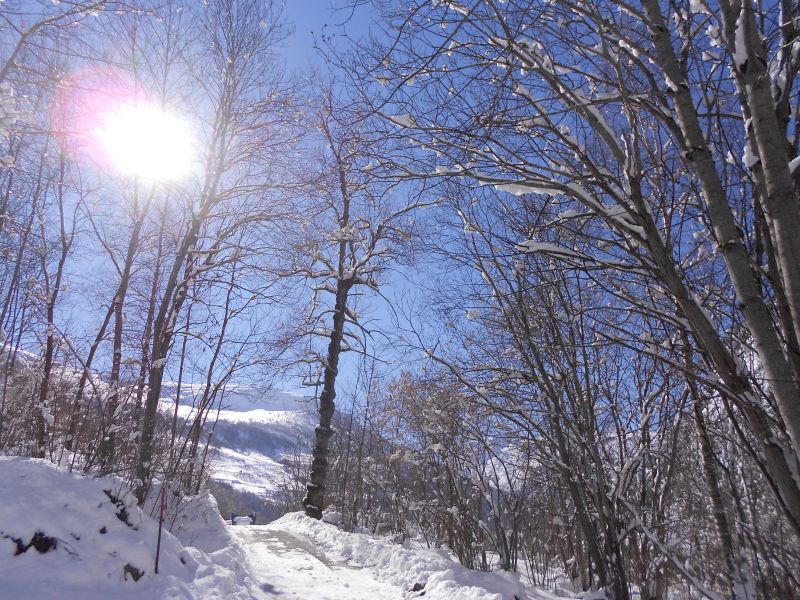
[145,141]
[104,118]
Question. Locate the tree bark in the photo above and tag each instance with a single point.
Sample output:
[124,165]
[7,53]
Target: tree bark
[314,500]
[109,441]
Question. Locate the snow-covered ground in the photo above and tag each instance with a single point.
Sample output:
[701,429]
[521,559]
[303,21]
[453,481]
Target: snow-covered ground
[67,536]
[73,537]
[288,565]
[297,557]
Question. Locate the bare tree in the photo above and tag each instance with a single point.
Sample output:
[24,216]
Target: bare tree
[597,114]
[249,112]
[364,229]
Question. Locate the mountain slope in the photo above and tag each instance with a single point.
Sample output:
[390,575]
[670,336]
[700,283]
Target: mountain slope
[259,437]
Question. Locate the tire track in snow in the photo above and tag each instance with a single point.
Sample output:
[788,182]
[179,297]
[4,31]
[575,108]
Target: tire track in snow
[289,566]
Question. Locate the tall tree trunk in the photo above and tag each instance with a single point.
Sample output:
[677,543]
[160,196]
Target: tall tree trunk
[173,297]
[314,500]
[737,579]
[144,362]
[75,412]
[7,314]
[52,288]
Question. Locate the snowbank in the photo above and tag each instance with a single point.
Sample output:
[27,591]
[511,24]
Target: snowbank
[199,524]
[439,575]
[90,541]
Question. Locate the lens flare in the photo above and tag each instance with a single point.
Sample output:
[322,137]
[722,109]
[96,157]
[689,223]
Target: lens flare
[102,117]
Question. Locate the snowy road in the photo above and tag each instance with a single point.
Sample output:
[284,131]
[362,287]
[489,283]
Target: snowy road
[289,565]
[300,558]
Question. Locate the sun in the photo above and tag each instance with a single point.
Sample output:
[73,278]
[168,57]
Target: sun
[105,118]
[143,140]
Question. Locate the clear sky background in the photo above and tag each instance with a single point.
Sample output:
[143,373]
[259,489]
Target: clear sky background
[313,18]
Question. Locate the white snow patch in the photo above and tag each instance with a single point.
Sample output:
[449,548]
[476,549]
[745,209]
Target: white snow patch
[531,246]
[698,7]
[95,541]
[739,41]
[749,158]
[352,566]
[403,120]
[519,189]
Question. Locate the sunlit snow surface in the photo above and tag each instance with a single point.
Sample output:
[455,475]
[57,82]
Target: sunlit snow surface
[297,558]
[94,544]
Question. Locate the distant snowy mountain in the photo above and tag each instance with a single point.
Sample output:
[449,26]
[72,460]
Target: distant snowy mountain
[259,436]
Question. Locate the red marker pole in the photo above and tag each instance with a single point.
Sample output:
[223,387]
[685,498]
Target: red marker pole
[161,521]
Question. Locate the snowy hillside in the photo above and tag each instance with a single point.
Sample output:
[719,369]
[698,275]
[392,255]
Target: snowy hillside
[63,535]
[259,431]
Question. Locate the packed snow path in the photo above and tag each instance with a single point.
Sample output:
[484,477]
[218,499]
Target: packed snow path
[298,558]
[288,565]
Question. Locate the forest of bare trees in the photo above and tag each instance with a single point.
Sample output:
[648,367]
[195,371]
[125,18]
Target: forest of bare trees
[557,245]
[109,278]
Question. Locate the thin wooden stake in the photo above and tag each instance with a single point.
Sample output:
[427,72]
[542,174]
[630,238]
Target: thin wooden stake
[160,521]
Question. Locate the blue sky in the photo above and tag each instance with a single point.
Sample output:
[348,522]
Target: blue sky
[312,18]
